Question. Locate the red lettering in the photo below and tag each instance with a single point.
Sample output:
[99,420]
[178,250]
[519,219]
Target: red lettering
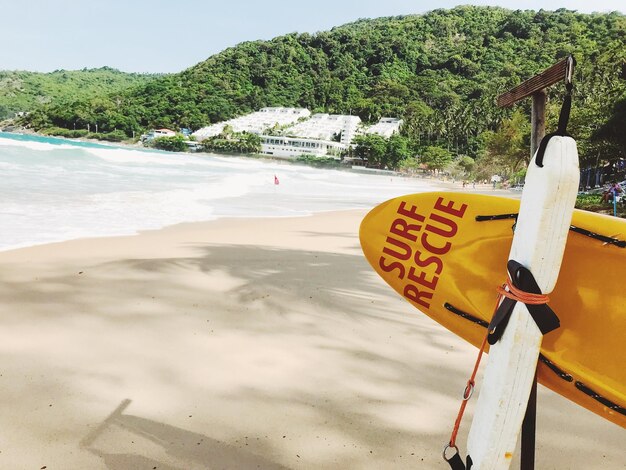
[389,268]
[428,261]
[399,244]
[402,228]
[411,213]
[449,208]
[434,249]
[421,279]
[452,226]
[413,293]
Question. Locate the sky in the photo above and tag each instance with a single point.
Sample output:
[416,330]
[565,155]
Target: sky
[163,36]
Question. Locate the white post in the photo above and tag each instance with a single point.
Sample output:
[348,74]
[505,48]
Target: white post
[538,244]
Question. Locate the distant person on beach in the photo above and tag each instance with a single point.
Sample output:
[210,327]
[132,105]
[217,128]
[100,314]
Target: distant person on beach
[613,191]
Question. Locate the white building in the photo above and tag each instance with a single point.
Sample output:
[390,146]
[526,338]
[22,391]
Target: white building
[326,127]
[300,133]
[281,146]
[256,123]
[322,135]
[385,127]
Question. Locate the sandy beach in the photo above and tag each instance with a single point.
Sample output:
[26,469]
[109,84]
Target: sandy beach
[238,344]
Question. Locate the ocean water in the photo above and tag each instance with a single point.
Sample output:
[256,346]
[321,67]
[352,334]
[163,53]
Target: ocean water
[53,189]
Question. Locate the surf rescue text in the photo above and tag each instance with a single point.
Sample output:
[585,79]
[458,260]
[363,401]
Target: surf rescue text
[416,244]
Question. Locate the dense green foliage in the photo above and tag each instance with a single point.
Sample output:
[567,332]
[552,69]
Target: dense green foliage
[591,202]
[440,72]
[176,143]
[613,131]
[436,158]
[113,136]
[22,91]
[233,143]
[506,150]
[380,152]
[67,133]
[594,203]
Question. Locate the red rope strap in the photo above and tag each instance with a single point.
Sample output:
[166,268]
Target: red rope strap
[467,393]
[512,292]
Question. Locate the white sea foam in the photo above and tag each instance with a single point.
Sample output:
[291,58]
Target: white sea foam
[52,192]
[121,155]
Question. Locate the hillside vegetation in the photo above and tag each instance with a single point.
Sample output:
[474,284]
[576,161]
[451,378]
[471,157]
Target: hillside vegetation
[440,72]
[22,91]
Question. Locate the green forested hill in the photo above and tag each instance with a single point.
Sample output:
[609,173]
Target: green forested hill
[22,91]
[440,71]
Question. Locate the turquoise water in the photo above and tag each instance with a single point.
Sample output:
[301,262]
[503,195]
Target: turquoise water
[52,140]
[53,189]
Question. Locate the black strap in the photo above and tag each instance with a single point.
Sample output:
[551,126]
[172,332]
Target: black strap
[561,130]
[554,368]
[483,218]
[543,315]
[561,373]
[465,315]
[599,398]
[603,238]
[456,462]
[588,233]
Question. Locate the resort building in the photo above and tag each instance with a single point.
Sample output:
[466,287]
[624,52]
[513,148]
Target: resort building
[339,127]
[295,132]
[281,146]
[255,123]
[321,135]
[385,127]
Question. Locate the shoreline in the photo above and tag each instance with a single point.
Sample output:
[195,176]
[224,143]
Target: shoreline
[237,343]
[257,156]
[451,187]
[403,185]
[28,131]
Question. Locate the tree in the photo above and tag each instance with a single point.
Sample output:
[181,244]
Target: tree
[373,148]
[233,142]
[227,132]
[613,132]
[173,144]
[409,165]
[398,149]
[466,164]
[436,158]
[506,149]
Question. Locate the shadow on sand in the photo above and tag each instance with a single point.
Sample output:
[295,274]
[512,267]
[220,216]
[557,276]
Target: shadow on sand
[345,323]
[171,448]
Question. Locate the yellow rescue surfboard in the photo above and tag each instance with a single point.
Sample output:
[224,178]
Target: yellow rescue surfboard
[446,253]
